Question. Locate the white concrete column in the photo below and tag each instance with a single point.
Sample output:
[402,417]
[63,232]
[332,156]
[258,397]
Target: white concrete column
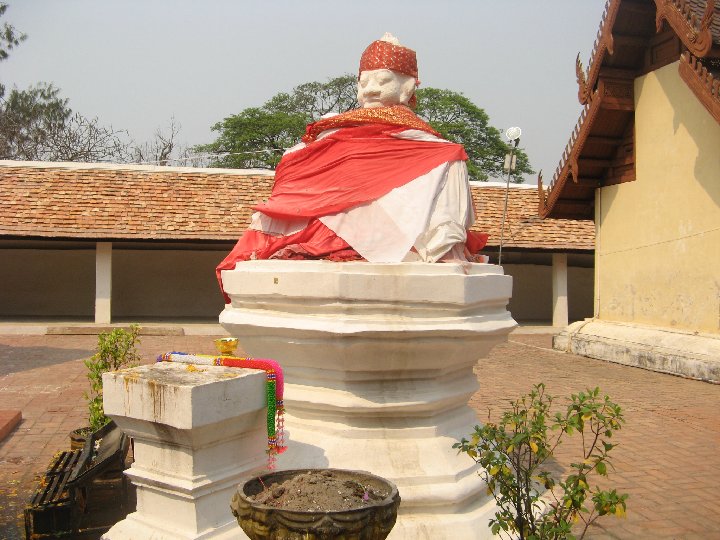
[559,289]
[103,282]
[197,434]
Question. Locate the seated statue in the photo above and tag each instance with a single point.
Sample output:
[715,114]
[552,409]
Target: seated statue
[375,183]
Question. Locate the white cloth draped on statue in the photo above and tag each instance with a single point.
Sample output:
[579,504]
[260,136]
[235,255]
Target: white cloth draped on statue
[430,213]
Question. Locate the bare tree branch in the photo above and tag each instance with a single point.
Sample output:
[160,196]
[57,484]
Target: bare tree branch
[160,149]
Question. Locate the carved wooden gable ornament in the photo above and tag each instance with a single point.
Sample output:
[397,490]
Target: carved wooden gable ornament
[635,38]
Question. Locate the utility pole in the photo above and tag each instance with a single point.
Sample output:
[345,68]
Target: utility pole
[513,135]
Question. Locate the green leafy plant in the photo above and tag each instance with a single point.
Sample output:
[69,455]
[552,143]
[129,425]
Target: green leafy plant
[534,501]
[115,350]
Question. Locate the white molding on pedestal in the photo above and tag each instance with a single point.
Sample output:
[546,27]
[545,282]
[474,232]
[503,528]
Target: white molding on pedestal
[197,432]
[378,362]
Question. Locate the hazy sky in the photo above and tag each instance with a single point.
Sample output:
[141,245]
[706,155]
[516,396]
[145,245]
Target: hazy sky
[136,63]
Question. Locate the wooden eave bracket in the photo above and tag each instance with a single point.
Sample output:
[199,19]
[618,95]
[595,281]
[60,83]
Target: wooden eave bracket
[701,82]
[603,42]
[565,168]
[611,94]
[574,210]
[696,36]
[616,94]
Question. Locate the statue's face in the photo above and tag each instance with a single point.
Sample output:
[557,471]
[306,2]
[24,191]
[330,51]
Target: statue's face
[384,88]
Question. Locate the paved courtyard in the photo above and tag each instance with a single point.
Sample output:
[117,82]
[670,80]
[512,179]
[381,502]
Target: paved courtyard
[667,459]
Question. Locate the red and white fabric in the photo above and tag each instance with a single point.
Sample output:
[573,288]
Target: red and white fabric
[380,192]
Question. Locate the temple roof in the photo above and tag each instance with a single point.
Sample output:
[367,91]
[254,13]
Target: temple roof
[524,229]
[635,37]
[89,201]
[120,202]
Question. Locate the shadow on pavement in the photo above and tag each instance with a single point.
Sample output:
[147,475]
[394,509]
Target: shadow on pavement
[16,359]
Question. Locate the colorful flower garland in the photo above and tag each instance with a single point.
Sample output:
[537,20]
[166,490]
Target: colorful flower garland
[274,390]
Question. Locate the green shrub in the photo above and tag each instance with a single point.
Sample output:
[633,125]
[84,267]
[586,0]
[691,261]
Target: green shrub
[533,503]
[115,350]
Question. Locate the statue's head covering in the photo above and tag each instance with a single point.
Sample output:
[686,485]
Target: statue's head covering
[387,53]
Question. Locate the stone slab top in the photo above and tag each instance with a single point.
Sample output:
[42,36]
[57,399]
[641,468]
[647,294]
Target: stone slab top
[363,267]
[178,374]
[184,396]
[413,283]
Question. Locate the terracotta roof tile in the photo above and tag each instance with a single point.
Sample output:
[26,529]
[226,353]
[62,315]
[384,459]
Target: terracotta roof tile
[155,203]
[86,202]
[523,227]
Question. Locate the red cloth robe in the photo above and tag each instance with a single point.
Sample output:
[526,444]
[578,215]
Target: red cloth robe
[352,166]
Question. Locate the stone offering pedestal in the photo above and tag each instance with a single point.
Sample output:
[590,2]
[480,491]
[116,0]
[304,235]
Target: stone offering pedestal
[197,431]
[378,362]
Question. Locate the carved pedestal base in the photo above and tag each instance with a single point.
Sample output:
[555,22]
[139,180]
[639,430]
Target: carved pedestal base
[378,362]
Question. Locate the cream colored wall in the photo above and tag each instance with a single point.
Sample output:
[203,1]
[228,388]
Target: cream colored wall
[532,292]
[47,283]
[166,284]
[175,284]
[658,244]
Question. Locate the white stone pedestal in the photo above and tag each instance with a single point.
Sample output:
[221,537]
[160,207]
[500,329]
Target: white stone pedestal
[197,430]
[378,362]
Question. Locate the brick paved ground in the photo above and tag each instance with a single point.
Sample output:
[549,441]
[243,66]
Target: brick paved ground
[44,377]
[668,458]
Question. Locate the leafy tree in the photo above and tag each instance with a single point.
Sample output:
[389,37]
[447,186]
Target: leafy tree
[257,137]
[517,454]
[254,138]
[160,149]
[9,39]
[37,124]
[315,99]
[115,350]
[27,119]
[9,36]
[458,119]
